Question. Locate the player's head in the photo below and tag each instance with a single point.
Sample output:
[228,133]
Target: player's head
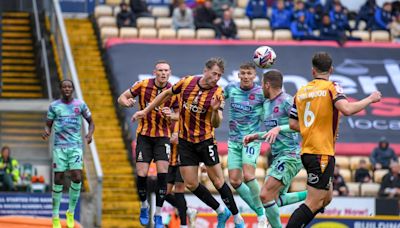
[247,74]
[272,81]
[321,64]
[213,70]
[67,88]
[5,152]
[162,71]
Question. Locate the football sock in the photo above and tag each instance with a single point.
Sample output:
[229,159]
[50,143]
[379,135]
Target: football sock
[290,198]
[181,206]
[161,190]
[227,197]
[245,194]
[74,192]
[205,195]
[255,195]
[142,188]
[171,199]
[56,198]
[300,217]
[272,213]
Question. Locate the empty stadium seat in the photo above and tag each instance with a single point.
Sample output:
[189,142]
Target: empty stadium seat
[346,174]
[242,23]
[298,186]
[352,23]
[160,11]
[147,33]
[116,10]
[354,188]
[260,23]
[114,2]
[362,25]
[282,34]
[245,34]
[364,35]
[239,12]
[205,34]
[108,32]
[316,32]
[127,32]
[166,33]
[164,22]
[242,3]
[260,173]
[379,174]
[355,160]
[145,22]
[370,189]
[380,36]
[263,35]
[224,161]
[301,176]
[102,10]
[262,162]
[186,34]
[342,161]
[106,21]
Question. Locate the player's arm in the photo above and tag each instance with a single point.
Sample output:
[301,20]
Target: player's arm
[351,108]
[294,124]
[89,135]
[126,99]
[217,109]
[293,118]
[173,116]
[160,98]
[47,129]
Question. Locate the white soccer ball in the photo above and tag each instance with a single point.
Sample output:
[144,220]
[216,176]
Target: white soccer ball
[264,57]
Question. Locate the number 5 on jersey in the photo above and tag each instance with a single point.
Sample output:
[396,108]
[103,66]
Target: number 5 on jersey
[211,152]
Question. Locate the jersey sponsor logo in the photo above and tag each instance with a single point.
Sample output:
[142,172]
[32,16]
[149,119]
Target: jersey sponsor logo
[140,156]
[312,178]
[271,123]
[194,108]
[241,107]
[76,110]
[252,97]
[276,109]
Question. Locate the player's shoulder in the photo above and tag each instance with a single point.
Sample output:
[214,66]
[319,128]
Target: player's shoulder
[231,85]
[55,103]
[78,102]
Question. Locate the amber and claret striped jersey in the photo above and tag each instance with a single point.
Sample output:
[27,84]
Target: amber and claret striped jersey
[173,158]
[154,124]
[195,110]
[314,108]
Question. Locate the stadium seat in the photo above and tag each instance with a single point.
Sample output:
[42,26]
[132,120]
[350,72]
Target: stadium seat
[145,22]
[239,13]
[102,10]
[342,161]
[242,23]
[354,188]
[263,35]
[164,22]
[260,23]
[301,176]
[380,36]
[362,25]
[205,34]
[242,3]
[166,33]
[106,21]
[316,32]
[224,161]
[226,173]
[355,160]
[260,173]
[346,174]
[147,33]
[370,189]
[282,34]
[116,10]
[297,186]
[108,32]
[185,34]
[126,32]
[245,34]
[379,174]
[160,11]
[364,35]
[352,23]
[262,162]
[114,2]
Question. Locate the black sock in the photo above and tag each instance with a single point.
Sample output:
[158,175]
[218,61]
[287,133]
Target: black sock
[300,217]
[171,199]
[227,197]
[204,195]
[142,187]
[181,206]
[161,189]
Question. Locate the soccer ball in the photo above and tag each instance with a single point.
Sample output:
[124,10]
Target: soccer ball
[264,57]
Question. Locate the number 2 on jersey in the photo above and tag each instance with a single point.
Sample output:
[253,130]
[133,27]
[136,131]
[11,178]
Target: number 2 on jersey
[309,116]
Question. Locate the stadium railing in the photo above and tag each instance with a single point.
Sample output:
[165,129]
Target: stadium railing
[94,172]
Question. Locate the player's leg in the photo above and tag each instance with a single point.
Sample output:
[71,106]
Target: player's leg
[170,197]
[60,165]
[269,192]
[319,185]
[181,202]
[162,150]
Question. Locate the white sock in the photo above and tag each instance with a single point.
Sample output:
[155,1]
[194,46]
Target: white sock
[237,218]
[158,211]
[145,204]
[261,218]
[183,226]
[220,209]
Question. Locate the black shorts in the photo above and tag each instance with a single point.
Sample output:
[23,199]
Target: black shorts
[174,175]
[191,154]
[319,170]
[149,148]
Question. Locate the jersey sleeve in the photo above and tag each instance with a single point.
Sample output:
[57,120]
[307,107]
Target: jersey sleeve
[85,111]
[51,114]
[135,89]
[226,91]
[293,110]
[177,88]
[220,94]
[175,102]
[336,92]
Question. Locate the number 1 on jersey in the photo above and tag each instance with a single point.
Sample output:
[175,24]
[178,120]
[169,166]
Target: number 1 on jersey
[309,116]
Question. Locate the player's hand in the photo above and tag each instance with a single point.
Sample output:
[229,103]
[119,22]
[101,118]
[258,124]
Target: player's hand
[46,134]
[375,96]
[249,138]
[138,115]
[216,102]
[89,138]
[174,138]
[166,112]
[271,135]
[130,102]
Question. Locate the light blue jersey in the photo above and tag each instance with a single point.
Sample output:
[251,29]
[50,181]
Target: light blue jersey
[245,112]
[67,123]
[276,113]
